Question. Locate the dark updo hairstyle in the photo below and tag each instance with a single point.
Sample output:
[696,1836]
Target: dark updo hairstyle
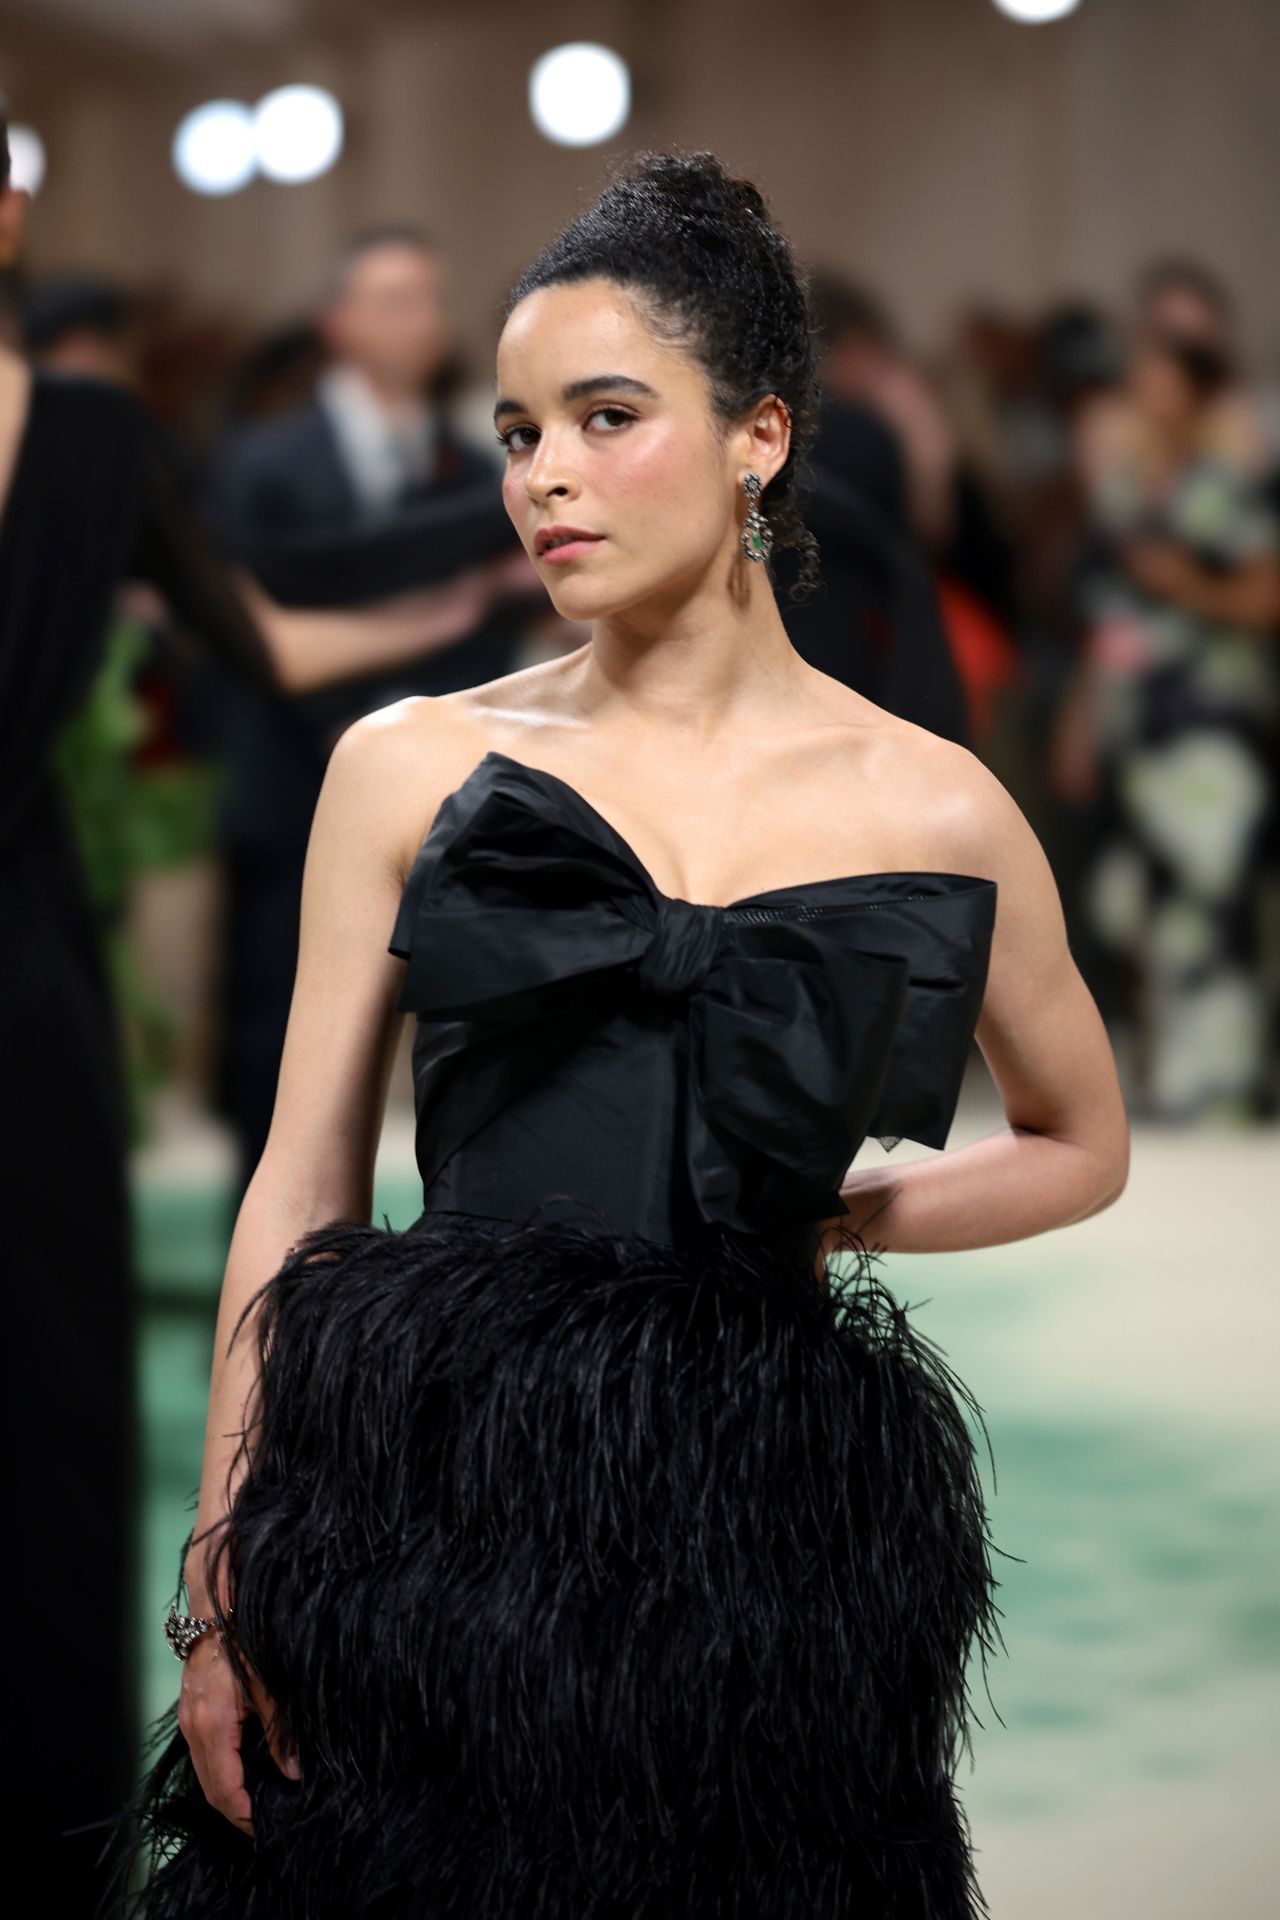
[713,274]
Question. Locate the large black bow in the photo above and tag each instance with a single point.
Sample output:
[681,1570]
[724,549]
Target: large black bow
[527,929]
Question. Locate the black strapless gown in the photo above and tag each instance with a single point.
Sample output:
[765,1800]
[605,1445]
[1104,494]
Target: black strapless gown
[600,1560]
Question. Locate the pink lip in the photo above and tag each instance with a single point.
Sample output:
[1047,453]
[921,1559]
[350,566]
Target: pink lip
[572,549]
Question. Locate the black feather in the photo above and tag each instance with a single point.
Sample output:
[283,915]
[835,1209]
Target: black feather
[592,1577]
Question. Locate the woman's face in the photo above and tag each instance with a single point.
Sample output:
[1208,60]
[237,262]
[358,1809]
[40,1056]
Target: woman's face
[610,431]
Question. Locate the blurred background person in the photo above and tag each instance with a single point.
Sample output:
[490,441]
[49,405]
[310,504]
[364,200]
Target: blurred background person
[137,782]
[375,435]
[83,323]
[91,496]
[1169,728]
[373,451]
[79,475]
[1017,388]
[868,365]
[277,375]
[874,624]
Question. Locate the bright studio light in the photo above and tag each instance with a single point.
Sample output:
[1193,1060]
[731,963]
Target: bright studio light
[297,133]
[213,147]
[26,159]
[579,94]
[1035,12]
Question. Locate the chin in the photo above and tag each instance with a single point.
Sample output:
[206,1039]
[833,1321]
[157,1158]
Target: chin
[583,600]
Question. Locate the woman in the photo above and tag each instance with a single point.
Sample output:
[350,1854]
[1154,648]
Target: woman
[89,497]
[596,1547]
[1169,730]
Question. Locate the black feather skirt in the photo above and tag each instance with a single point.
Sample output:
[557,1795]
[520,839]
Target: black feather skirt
[592,1576]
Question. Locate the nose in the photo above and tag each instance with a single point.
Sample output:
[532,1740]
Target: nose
[549,475]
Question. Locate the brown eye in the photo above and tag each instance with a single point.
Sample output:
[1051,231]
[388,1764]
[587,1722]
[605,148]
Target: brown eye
[619,413]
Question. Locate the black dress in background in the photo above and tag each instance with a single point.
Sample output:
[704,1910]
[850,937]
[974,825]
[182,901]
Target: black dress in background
[93,500]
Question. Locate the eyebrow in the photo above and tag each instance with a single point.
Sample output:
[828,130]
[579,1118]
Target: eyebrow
[579,390]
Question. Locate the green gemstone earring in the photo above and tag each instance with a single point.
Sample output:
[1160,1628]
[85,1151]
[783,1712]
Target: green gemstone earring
[757,535]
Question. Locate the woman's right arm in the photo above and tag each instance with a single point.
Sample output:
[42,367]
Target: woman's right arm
[317,1166]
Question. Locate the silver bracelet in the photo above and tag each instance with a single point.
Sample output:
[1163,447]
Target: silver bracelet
[182,1630]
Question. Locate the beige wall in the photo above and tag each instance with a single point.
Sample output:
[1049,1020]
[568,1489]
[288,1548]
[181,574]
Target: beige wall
[927,144]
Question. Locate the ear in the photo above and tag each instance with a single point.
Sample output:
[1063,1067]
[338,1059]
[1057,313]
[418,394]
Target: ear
[14,202]
[766,438]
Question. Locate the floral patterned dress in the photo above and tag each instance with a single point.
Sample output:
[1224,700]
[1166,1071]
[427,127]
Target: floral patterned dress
[1188,716]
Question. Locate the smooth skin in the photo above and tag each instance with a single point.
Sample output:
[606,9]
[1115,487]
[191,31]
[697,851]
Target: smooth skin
[729,765]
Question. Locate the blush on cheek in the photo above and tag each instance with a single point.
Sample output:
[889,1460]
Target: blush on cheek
[656,482]
[653,455]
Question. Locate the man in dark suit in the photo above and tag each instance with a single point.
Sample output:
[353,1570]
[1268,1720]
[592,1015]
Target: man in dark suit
[362,473]
[375,436]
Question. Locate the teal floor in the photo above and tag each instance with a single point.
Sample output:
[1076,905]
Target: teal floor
[1129,1752]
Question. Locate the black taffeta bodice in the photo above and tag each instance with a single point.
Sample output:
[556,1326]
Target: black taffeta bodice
[651,1065]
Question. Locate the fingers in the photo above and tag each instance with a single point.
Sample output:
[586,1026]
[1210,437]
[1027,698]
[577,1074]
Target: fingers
[222,1775]
[212,1710]
[211,1715]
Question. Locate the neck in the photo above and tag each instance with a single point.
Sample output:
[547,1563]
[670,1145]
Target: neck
[398,398]
[697,661]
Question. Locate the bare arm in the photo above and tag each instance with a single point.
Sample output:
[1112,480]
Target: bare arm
[318,1162]
[1064,1153]
[314,647]
[294,648]
[339,1049]
[1246,595]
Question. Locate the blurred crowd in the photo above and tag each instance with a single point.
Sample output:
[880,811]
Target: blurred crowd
[1055,538]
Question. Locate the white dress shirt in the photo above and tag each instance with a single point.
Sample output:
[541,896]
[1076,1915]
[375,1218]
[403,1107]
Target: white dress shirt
[383,454]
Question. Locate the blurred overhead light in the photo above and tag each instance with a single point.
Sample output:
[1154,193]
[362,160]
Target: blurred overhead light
[297,133]
[26,159]
[213,147]
[1034,12]
[579,94]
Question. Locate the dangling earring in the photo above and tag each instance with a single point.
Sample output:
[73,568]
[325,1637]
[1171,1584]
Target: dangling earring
[757,534]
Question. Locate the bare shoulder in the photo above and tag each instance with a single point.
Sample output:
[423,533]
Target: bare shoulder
[938,796]
[979,823]
[1039,1029]
[963,819]
[390,770]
